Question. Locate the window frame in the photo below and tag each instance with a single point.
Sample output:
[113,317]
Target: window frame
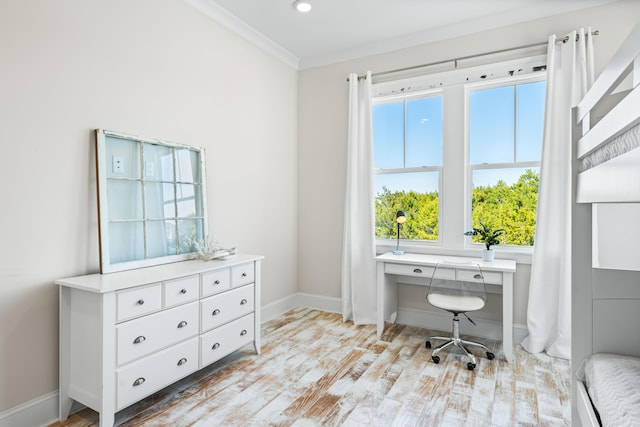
[454,184]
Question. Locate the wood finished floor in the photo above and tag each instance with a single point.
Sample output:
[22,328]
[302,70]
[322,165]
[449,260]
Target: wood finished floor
[315,370]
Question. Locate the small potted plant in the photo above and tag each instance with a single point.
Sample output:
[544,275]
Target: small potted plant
[489,237]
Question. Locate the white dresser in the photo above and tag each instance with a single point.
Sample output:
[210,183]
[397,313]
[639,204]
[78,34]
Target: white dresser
[126,335]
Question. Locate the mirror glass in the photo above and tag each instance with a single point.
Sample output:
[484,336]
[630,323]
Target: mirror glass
[151,199]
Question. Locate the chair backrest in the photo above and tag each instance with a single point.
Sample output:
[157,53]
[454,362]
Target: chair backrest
[457,280]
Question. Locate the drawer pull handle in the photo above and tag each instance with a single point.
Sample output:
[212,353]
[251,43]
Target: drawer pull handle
[417,271]
[140,301]
[243,302]
[477,276]
[215,312]
[138,382]
[217,282]
[182,324]
[244,332]
[139,340]
[215,346]
[244,274]
[182,361]
[183,291]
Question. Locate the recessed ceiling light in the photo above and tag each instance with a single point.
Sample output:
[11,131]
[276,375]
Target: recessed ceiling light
[302,6]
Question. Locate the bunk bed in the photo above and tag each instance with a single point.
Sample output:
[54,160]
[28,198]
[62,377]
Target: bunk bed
[606,169]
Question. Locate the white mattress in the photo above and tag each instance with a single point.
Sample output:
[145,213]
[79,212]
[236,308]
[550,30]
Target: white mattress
[613,382]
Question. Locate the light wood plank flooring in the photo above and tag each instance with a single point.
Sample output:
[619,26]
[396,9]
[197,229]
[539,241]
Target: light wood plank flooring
[315,370]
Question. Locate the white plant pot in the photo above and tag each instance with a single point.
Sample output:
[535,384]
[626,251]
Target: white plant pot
[487,255]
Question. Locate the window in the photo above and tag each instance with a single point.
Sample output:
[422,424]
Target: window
[456,148]
[505,142]
[151,201]
[407,139]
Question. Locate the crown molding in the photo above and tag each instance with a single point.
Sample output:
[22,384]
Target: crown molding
[240,28]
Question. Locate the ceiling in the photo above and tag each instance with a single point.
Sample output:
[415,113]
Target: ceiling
[338,30]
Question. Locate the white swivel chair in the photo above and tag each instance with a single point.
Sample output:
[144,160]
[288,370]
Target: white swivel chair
[458,288]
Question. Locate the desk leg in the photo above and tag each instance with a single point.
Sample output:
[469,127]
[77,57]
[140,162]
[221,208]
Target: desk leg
[507,316]
[387,293]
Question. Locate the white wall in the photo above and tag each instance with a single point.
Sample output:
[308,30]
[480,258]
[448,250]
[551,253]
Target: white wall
[155,68]
[322,134]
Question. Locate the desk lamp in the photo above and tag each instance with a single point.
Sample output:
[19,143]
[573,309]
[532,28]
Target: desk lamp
[400,219]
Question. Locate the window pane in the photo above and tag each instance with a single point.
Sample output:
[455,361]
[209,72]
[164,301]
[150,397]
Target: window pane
[158,162]
[529,121]
[188,231]
[414,193]
[161,238]
[126,241]
[160,200]
[506,198]
[424,132]
[491,125]
[189,201]
[388,135]
[188,165]
[122,158]
[125,199]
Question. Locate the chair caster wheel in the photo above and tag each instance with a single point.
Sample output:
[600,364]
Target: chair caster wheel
[436,359]
[427,344]
[490,355]
[471,366]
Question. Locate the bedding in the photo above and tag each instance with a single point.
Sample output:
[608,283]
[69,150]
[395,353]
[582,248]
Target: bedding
[613,383]
[614,148]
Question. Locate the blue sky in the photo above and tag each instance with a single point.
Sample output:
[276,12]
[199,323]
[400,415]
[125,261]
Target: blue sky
[493,124]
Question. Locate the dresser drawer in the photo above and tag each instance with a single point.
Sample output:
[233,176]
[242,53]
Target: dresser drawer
[140,337]
[181,291]
[226,339]
[152,373]
[242,275]
[138,301]
[215,282]
[470,276]
[223,308]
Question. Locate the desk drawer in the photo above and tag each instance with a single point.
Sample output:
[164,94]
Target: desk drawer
[228,338]
[470,276]
[418,271]
[222,308]
[181,291]
[138,301]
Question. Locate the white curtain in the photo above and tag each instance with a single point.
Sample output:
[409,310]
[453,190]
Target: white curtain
[358,249]
[569,73]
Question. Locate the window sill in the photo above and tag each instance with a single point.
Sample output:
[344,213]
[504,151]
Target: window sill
[519,255]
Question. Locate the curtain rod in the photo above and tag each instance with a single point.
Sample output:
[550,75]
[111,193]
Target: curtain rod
[462,58]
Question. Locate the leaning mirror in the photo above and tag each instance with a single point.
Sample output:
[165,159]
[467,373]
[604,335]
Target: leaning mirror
[151,201]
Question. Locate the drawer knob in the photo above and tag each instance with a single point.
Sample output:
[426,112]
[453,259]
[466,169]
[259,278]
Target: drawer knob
[182,361]
[244,274]
[182,324]
[417,271]
[477,276]
[243,302]
[244,332]
[215,312]
[217,282]
[215,346]
[140,301]
[139,340]
[183,291]
[138,382]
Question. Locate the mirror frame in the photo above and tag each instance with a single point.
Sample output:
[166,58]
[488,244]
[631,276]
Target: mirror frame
[102,168]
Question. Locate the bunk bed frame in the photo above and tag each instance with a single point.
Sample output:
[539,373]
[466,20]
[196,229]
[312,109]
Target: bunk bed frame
[606,169]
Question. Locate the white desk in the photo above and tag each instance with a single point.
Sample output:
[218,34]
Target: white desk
[410,267]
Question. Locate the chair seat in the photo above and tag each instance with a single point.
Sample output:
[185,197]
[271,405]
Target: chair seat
[455,303]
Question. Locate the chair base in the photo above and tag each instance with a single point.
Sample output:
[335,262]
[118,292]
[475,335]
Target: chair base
[456,341]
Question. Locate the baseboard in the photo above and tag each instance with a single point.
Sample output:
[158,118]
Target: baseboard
[40,411]
[43,410]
